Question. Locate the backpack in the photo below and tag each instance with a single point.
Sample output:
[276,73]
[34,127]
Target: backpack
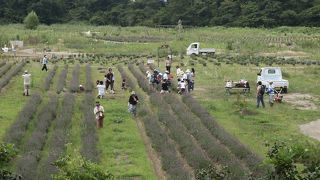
[262,90]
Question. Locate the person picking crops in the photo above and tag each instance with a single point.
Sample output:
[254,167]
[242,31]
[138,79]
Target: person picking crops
[26,83]
[99,112]
[133,101]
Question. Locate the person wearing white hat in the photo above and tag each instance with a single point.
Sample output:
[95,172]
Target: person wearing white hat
[132,103]
[26,83]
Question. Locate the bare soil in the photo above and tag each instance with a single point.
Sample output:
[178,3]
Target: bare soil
[286,54]
[311,129]
[301,101]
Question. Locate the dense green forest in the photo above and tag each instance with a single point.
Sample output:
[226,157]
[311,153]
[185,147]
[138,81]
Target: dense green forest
[248,13]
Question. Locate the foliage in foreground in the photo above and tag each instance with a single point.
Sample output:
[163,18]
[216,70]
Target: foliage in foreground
[7,153]
[76,167]
[299,161]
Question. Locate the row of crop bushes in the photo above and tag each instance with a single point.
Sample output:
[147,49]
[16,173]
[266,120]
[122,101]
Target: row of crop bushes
[171,163]
[28,162]
[18,129]
[89,131]
[62,79]
[49,78]
[59,138]
[5,68]
[2,63]
[74,83]
[13,71]
[189,149]
[217,152]
[252,160]
[141,79]
[89,84]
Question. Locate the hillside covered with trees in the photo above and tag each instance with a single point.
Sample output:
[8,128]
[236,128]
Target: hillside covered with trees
[244,13]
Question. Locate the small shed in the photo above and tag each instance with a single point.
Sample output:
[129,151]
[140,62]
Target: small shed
[16,44]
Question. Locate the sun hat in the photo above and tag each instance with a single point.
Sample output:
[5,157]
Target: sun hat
[133,92]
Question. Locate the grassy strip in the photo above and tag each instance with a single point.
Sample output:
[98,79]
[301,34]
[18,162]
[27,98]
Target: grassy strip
[62,79]
[13,71]
[241,151]
[20,126]
[216,151]
[89,130]
[5,68]
[89,84]
[27,163]
[59,137]
[49,78]
[159,139]
[74,83]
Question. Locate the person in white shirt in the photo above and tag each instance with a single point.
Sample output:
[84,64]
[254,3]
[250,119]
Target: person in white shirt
[179,72]
[5,49]
[165,75]
[26,83]
[101,90]
[183,84]
[99,113]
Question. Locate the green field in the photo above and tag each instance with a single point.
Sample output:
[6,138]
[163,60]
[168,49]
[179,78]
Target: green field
[169,139]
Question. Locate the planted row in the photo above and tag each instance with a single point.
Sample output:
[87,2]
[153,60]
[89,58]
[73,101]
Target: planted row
[74,84]
[143,83]
[216,151]
[5,68]
[252,160]
[171,163]
[62,79]
[2,63]
[89,84]
[13,71]
[28,162]
[49,78]
[21,124]
[59,137]
[89,130]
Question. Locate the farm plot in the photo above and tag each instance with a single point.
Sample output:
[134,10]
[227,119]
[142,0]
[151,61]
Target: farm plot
[42,139]
[200,154]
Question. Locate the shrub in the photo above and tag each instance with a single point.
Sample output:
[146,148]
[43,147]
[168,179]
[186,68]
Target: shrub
[89,84]
[20,126]
[62,79]
[49,78]
[89,134]
[31,21]
[7,153]
[77,167]
[13,71]
[74,84]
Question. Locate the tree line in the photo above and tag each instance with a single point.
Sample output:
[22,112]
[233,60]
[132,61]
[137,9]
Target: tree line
[242,13]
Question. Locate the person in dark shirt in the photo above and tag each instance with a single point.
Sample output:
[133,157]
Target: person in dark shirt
[165,87]
[133,101]
[110,80]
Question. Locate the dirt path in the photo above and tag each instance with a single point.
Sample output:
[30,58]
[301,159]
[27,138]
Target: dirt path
[311,129]
[301,101]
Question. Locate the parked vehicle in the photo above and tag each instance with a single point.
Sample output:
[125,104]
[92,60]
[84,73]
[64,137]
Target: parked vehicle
[194,49]
[273,74]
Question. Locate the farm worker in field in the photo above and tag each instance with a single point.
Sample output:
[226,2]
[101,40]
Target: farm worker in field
[124,84]
[26,83]
[44,63]
[110,80]
[165,75]
[228,86]
[270,92]
[99,112]
[183,85]
[168,63]
[101,90]
[165,86]
[179,72]
[260,93]
[132,104]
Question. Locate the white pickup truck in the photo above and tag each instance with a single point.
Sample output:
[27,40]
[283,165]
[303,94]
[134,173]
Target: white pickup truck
[194,49]
[274,74]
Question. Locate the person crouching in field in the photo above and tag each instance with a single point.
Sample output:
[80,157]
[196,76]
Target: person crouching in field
[101,90]
[26,83]
[124,84]
[133,101]
[99,112]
